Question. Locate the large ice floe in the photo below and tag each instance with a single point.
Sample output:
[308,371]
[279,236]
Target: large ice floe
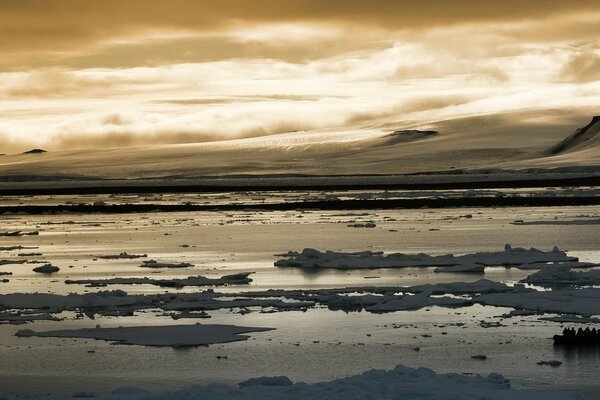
[234,279]
[566,300]
[563,301]
[312,258]
[399,383]
[170,335]
[561,276]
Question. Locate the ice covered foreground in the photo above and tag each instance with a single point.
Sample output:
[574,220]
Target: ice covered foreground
[400,383]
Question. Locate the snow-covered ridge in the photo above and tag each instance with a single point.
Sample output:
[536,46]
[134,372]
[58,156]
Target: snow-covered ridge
[582,138]
[491,146]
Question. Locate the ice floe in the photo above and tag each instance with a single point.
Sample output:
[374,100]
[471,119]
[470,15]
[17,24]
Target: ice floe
[559,222]
[562,301]
[123,255]
[471,268]
[169,335]
[312,258]
[563,276]
[46,269]
[568,264]
[234,279]
[371,299]
[11,248]
[157,264]
[10,262]
[399,383]
[22,317]
[19,233]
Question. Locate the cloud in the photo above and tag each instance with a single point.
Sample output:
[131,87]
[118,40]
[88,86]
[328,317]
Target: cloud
[583,67]
[65,29]
[52,83]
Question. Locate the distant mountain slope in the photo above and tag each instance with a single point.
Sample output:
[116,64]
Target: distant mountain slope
[523,141]
[582,138]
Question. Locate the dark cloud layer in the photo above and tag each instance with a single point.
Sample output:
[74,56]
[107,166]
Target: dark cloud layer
[61,24]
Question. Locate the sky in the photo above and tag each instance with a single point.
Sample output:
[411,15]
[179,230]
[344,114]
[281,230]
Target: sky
[111,73]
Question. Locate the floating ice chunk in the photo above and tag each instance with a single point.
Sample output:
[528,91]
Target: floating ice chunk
[559,222]
[234,279]
[552,363]
[11,248]
[124,255]
[361,225]
[83,395]
[20,233]
[519,313]
[417,301]
[20,318]
[312,258]
[267,381]
[9,262]
[46,269]
[173,335]
[563,276]
[568,264]
[575,319]
[471,268]
[157,264]
[562,301]
[457,288]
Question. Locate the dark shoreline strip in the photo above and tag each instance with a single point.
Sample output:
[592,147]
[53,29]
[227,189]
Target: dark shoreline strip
[515,201]
[254,186]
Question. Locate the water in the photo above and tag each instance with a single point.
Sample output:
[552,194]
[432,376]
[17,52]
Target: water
[310,346]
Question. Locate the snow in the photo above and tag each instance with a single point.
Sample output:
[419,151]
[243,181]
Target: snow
[517,144]
[171,335]
[399,383]
[312,258]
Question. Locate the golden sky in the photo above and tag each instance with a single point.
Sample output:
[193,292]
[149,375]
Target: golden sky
[84,73]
